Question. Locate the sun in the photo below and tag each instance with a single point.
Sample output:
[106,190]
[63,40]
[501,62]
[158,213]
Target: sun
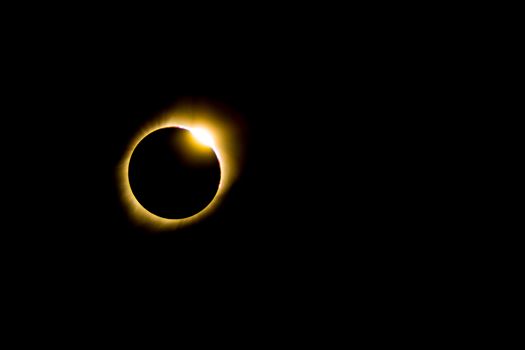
[203,136]
[202,121]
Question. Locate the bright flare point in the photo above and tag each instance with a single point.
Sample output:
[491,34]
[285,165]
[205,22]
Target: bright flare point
[203,136]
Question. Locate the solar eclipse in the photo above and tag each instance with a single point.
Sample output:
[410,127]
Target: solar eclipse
[177,169]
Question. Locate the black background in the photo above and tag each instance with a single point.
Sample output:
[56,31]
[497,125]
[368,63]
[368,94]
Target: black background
[361,208]
[341,191]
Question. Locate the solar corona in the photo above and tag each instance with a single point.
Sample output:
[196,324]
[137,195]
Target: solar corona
[203,129]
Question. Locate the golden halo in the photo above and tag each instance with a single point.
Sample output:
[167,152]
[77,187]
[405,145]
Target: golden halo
[211,127]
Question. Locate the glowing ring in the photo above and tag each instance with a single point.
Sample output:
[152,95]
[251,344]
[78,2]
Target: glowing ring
[188,117]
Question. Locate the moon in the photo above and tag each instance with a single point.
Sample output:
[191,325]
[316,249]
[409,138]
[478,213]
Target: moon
[174,172]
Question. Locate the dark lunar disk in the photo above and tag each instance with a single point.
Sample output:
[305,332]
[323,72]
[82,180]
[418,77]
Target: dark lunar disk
[173,175]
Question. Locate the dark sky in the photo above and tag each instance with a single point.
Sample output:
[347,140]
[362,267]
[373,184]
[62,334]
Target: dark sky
[335,184]
[354,202]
